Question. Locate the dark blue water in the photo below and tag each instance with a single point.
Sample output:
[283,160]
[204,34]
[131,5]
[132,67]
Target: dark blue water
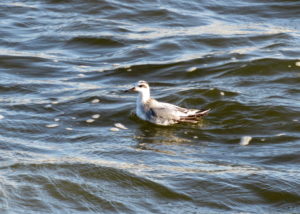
[64,66]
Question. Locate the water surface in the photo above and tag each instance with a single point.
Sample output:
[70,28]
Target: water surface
[64,65]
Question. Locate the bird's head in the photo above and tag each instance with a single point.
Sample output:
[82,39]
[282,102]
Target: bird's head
[141,87]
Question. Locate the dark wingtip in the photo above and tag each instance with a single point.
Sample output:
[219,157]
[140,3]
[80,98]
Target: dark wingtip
[205,112]
[202,113]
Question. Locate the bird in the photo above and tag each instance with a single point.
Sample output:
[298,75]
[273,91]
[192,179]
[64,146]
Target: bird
[161,113]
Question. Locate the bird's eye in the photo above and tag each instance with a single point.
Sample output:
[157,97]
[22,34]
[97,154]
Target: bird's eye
[140,86]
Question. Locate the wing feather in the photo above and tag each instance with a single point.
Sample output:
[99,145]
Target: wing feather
[166,112]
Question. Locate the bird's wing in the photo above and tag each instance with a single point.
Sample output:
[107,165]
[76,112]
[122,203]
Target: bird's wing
[165,110]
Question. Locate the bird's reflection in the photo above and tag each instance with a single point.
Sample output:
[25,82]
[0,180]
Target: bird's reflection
[151,137]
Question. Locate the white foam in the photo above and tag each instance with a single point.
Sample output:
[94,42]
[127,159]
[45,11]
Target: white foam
[69,129]
[95,101]
[1,117]
[96,116]
[120,126]
[114,129]
[191,69]
[54,102]
[90,121]
[52,125]
[245,140]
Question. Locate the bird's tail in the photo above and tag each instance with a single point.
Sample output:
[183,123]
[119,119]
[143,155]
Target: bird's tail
[202,113]
[194,118]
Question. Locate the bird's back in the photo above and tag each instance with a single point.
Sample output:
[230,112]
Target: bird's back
[167,114]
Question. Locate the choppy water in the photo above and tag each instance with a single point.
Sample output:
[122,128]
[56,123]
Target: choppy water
[64,62]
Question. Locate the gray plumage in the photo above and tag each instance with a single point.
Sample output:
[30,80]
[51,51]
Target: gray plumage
[162,113]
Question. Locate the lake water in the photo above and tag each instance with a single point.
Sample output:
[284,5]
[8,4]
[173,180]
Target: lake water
[64,65]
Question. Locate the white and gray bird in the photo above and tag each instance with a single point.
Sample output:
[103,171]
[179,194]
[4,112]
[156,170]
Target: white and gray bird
[161,113]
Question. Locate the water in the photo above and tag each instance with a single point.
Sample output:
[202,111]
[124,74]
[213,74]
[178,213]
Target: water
[64,65]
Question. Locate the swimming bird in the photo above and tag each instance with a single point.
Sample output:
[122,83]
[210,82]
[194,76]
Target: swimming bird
[161,113]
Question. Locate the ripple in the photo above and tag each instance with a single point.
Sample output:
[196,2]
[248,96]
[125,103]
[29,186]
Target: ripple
[104,194]
[70,64]
[102,42]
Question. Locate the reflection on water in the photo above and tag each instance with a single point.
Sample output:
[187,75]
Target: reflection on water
[146,136]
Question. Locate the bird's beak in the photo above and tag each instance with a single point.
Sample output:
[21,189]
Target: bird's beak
[130,90]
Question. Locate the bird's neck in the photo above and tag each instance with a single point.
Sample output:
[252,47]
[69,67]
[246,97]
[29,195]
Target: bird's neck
[144,96]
